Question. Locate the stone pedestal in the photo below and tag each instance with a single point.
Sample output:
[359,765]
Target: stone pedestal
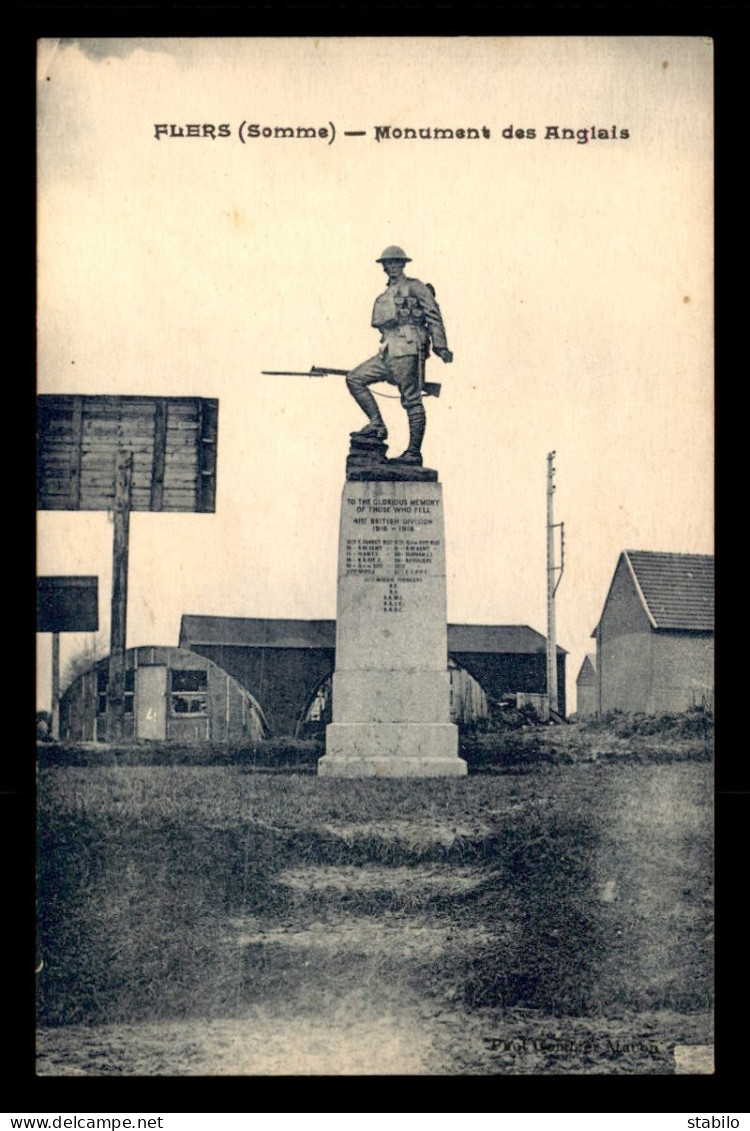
[391,689]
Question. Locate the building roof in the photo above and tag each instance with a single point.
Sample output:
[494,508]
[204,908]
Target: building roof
[676,590]
[588,667]
[260,632]
[517,639]
[257,632]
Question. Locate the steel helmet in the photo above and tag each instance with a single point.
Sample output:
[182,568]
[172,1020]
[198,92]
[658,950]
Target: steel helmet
[394,252]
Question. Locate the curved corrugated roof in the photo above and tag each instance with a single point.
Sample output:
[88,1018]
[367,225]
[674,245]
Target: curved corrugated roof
[261,632]
[257,632]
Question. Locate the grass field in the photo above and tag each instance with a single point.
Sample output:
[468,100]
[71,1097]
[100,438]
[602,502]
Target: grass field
[217,919]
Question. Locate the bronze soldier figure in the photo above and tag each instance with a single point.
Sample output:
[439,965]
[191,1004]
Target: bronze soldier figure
[409,319]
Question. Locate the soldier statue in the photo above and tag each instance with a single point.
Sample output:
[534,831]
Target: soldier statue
[409,319]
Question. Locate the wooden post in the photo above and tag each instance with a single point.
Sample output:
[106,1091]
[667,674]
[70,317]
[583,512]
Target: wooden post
[77,443]
[116,684]
[55,724]
[160,453]
[208,413]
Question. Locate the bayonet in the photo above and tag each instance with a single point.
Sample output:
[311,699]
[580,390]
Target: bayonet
[429,388]
[315,371]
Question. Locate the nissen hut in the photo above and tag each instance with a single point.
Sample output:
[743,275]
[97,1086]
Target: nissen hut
[171,695]
[288,665]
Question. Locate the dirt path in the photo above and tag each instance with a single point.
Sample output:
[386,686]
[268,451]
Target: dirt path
[448,949]
[261,1044]
[356,1041]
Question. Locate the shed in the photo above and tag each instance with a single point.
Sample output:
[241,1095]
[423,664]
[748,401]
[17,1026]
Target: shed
[587,685]
[655,637]
[285,664]
[171,695]
[506,659]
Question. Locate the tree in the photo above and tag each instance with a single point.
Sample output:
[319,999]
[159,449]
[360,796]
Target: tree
[83,659]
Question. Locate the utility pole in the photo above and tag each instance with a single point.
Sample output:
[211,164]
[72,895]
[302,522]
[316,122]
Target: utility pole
[552,584]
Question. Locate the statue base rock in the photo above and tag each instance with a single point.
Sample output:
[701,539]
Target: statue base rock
[367,461]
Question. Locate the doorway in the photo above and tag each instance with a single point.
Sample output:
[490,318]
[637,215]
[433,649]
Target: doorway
[151,703]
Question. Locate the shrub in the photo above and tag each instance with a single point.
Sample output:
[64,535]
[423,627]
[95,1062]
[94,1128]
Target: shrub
[281,753]
[696,722]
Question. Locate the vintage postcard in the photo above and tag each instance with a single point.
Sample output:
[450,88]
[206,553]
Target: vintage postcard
[458,294]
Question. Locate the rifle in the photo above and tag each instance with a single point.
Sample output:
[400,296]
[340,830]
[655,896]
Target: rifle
[429,388]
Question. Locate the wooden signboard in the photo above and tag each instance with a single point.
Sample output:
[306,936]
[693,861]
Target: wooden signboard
[120,454]
[172,441]
[67,604]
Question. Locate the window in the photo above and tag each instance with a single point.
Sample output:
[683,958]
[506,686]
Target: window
[189,692]
[102,682]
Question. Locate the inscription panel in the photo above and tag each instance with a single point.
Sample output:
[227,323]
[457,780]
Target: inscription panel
[391,544]
[392,574]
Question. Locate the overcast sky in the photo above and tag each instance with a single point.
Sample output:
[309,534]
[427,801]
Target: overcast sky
[574,277]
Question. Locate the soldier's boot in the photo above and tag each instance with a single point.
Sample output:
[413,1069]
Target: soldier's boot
[417,424]
[375,427]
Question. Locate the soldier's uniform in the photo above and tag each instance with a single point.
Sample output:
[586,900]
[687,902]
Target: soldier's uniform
[409,319]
